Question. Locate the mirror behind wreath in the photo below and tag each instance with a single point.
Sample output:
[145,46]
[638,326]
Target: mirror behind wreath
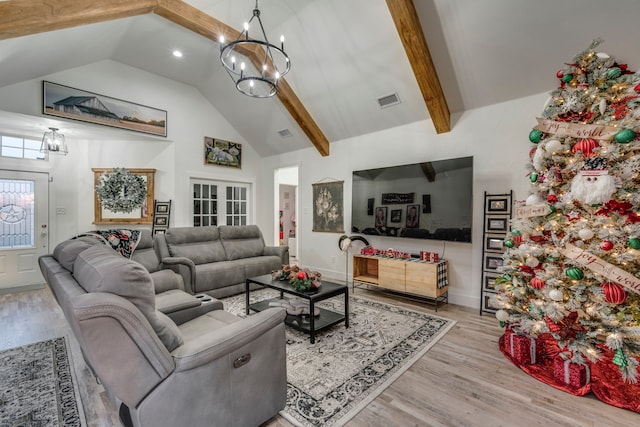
[429,200]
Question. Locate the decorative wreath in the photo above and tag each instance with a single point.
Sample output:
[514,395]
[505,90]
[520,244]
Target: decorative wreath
[121,190]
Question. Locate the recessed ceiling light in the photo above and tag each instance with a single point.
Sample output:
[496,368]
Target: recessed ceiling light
[177,53]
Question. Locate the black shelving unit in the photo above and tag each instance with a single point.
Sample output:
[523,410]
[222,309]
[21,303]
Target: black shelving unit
[498,209]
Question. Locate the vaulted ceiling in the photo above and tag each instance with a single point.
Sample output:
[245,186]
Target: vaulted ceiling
[437,56]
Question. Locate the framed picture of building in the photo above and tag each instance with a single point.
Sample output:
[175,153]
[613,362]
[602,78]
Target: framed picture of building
[77,104]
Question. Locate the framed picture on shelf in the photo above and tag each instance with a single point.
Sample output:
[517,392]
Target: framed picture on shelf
[79,104]
[162,207]
[159,231]
[396,215]
[494,243]
[492,262]
[489,281]
[161,220]
[498,205]
[490,303]
[496,224]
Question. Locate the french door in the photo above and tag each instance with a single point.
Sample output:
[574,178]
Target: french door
[220,203]
[24,232]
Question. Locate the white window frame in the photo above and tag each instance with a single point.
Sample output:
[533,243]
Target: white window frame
[222,214]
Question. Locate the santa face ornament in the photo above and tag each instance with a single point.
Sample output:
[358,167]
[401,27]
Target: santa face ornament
[593,184]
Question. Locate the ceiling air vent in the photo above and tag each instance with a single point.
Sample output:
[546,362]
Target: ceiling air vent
[388,100]
[285,133]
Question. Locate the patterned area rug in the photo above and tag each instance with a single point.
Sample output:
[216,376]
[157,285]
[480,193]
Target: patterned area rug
[332,380]
[36,386]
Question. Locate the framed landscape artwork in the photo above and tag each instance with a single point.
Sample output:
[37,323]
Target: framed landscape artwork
[76,104]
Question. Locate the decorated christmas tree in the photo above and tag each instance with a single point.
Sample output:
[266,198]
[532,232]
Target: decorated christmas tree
[571,272]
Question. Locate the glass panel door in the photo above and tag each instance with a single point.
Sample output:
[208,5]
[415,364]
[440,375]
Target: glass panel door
[24,234]
[220,203]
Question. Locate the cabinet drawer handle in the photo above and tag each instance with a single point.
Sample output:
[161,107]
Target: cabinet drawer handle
[242,360]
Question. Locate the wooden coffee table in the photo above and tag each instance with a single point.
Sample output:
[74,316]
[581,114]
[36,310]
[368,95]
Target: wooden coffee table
[306,323]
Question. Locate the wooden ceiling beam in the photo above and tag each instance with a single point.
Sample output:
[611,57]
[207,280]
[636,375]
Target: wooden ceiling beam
[24,17]
[415,45]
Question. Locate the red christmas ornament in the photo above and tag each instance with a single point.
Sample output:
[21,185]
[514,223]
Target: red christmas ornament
[552,198]
[637,88]
[517,240]
[585,145]
[559,74]
[537,283]
[606,245]
[553,326]
[614,293]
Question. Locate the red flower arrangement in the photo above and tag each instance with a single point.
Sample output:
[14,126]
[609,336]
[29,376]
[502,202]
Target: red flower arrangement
[302,279]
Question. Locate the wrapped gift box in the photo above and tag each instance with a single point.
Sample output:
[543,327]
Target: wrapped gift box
[571,374]
[524,349]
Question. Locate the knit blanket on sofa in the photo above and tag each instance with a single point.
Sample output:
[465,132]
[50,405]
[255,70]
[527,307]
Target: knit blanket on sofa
[123,241]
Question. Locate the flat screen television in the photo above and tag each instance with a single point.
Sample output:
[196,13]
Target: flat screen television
[429,200]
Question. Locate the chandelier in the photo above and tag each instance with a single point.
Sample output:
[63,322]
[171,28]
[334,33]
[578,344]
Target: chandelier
[254,65]
[53,142]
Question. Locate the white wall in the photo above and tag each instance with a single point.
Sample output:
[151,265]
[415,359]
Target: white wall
[496,137]
[175,158]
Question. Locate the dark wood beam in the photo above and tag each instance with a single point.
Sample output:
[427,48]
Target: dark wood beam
[428,171]
[24,17]
[415,45]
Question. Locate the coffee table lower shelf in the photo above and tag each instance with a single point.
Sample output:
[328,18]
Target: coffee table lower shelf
[324,320]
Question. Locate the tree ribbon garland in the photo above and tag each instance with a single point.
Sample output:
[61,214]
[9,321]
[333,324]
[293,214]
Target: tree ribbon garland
[602,267]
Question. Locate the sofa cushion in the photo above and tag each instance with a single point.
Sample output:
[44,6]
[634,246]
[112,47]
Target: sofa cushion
[101,269]
[219,274]
[67,252]
[145,254]
[200,244]
[257,266]
[164,280]
[241,241]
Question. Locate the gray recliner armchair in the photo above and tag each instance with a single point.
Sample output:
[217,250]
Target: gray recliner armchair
[215,369]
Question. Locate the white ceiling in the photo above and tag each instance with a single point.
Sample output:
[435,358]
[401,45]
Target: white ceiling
[346,53]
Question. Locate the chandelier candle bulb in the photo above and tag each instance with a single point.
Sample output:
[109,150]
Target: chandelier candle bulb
[282,42]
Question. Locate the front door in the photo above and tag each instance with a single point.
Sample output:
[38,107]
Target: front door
[24,228]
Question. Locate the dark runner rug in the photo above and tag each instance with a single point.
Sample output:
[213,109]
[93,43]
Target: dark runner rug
[332,380]
[37,386]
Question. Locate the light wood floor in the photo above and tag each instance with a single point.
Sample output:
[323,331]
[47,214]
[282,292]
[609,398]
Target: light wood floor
[462,381]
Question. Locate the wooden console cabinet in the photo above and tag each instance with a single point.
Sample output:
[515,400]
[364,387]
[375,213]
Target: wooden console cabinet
[413,277]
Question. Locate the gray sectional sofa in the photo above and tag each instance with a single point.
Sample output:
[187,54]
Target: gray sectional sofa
[217,260]
[207,368]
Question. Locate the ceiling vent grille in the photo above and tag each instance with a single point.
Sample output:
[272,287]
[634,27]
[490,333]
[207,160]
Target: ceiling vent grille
[388,100]
[285,133]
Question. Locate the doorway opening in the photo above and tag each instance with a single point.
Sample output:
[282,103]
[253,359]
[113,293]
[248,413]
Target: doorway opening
[286,202]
